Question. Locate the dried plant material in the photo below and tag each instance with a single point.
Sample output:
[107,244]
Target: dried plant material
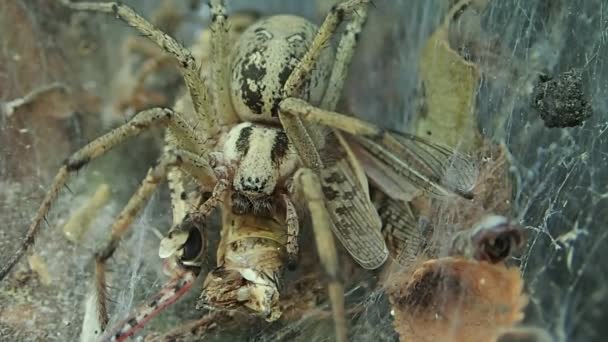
[81,220]
[491,194]
[52,100]
[35,61]
[453,299]
[194,330]
[449,86]
[136,86]
[306,292]
[524,334]
[17,315]
[491,240]
[40,268]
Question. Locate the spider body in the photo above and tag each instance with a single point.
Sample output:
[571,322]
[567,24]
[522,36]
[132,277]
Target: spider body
[259,153]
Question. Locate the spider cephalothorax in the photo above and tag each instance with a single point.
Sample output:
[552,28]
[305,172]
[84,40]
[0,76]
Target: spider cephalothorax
[261,157]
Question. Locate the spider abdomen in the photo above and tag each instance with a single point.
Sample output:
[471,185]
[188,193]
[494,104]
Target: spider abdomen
[265,56]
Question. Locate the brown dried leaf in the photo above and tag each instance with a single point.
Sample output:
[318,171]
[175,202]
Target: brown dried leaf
[449,86]
[453,299]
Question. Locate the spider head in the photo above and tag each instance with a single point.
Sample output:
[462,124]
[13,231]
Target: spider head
[185,243]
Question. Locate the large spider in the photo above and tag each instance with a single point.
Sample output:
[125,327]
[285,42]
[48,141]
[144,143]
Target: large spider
[260,130]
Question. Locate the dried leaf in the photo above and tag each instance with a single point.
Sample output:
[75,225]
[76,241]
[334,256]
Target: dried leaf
[453,299]
[449,86]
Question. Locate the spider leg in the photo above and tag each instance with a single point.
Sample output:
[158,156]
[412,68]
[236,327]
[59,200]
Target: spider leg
[171,158]
[327,30]
[344,54]
[220,44]
[139,123]
[308,182]
[179,203]
[199,92]
[300,133]
[312,114]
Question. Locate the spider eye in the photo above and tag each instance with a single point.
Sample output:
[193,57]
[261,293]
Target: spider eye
[193,247]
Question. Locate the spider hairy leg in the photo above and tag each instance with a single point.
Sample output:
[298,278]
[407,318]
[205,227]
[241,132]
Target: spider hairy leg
[308,182]
[199,91]
[327,30]
[297,131]
[179,204]
[344,55]
[309,113]
[172,158]
[220,43]
[141,122]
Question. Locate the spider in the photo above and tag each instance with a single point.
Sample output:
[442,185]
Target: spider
[254,134]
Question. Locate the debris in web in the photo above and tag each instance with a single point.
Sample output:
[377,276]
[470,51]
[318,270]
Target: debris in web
[561,101]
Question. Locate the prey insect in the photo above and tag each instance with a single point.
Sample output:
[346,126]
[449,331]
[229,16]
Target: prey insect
[257,132]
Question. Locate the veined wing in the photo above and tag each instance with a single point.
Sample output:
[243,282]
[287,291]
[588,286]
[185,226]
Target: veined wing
[402,164]
[400,230]
[355,220]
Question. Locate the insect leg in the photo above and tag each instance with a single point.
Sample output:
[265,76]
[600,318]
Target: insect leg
[308,182]
[139,123]
[218,192]
[344,54]
[168,294]
[293,230]
[200,93]
[124,220]
[220,44]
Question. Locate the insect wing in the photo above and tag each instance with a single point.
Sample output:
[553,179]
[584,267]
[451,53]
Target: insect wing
[355,220]
[400,163]
[400,230]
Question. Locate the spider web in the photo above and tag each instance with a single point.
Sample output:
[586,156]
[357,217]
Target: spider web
[560,196]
